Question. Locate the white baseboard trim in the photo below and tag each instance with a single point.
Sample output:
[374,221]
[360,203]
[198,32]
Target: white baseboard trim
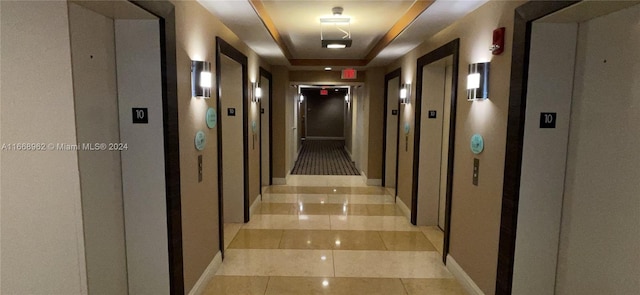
[463,278]
[374,182]
[349,153]
[207,275]
[405,209]
[279,181]
[324,138]
[255,205]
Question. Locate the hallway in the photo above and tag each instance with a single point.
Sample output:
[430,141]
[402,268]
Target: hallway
[330,235]
[324,157]
[176,153]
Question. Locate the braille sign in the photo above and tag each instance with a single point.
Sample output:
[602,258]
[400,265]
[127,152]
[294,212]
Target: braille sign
[432,114]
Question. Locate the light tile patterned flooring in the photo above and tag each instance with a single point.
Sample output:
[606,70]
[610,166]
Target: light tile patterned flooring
[331,235]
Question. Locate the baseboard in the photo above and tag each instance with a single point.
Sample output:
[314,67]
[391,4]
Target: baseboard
[349,153]
[279,181]
[324,138]
[374,182]
[405,209]
[286,178]
[463,278]
[391,191]
[255,206]
[207,275]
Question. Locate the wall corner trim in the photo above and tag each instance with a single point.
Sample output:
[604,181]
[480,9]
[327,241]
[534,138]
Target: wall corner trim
[207,275]
[463,278]
[403,207]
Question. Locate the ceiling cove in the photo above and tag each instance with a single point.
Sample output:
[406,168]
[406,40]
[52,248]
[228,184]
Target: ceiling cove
[403,22]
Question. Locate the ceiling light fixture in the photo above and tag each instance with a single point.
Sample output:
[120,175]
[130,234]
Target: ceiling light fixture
[334,45]
[331,38]
[327,69]
[337,11]
[335,20]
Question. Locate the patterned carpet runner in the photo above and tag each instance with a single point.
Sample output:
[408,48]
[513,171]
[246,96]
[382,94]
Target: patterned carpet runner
[324,157]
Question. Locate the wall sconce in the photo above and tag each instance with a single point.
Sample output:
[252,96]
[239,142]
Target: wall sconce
[200,79]
[478,81]
[405,93]
[257,92]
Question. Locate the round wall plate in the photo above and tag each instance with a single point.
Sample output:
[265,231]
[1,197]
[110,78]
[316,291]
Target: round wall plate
[212,118]
[254,126]
[200,140]
[477,143]
[406,128]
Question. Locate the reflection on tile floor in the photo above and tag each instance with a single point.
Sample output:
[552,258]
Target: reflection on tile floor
[331,235]
[277,262]
[330,209]
[336,286]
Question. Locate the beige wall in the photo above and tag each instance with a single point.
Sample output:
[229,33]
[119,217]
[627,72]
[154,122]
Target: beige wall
[264,129]
[392,133]
[254,149]
[375,97]
[475,215]
[359,134]
[253,109]
[196,29]
[280,94]
[42,239]
[348,121]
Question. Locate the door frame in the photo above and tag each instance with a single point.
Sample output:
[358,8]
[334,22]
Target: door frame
[224,48]
[165,11]
[266,74]
[450,49]
[525,15]
[388,77]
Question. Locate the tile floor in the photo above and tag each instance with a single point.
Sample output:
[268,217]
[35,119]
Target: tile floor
[331,235]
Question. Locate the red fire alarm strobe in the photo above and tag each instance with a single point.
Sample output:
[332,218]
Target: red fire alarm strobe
[497,47]
[349,73]
[324,92]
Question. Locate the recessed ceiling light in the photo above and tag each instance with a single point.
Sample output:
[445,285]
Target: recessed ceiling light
[335,46]
[327,69]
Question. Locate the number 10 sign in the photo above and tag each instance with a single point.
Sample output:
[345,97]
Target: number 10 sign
[548,120]
[140,116]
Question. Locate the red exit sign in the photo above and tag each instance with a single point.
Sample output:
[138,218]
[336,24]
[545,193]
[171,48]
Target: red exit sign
[324,92]
[349,73]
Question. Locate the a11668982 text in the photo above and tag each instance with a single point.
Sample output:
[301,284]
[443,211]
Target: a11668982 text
[42,147]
